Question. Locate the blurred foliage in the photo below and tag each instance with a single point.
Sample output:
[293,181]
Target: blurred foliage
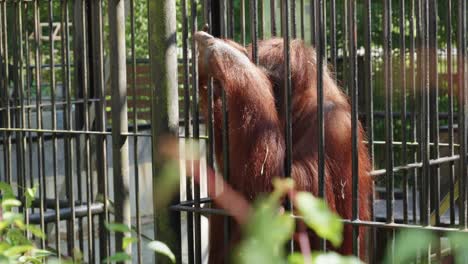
[417,244]
[269,229]
[16,245]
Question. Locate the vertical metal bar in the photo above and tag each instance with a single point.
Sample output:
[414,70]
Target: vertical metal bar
[448,36]
[261,20]
[242,15]
[79,67]
[118,78]
[288,98]
[313,19]
[5,95]
[354,90]
[302,10]
[71,235]
[414,104]
[388,108]
[462,111]
[333,46]
[369,90]
[402,21]
[434,108]
[222,18]
[196,122]
[230,19]
[28,88]
[319,42]
[40,142]
[345,67]
[100,110]
[293,19]
[135,131]
[18,96]
[87,155]
[272,17]
[189,165]
[54,125]
[425,155]
[254,30]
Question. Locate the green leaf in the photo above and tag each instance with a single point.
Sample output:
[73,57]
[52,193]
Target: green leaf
[11,217]
[30,195]
[162,249]
[8,203]
[266,233]
[459,242]
[6,190]
[17,250]
[128,241]
[16,237]
[41,253]
[407,245]
[319,217]
[36,230]
[116,227]
[118,257]
[296,258]
[334,258]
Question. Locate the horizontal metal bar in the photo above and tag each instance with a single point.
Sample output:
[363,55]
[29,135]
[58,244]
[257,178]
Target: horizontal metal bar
[432,162]
[57,103]
[72,132]
[200,210]
[378,142]
[66,213]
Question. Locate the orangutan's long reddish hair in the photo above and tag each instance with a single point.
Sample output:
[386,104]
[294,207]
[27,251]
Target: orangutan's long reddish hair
[256,135]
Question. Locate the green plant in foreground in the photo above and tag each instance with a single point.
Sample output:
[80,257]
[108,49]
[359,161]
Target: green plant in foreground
[15,246]
[269,229]
[155,245]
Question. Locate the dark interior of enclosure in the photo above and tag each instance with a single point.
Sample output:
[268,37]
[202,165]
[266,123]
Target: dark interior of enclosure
[79,109]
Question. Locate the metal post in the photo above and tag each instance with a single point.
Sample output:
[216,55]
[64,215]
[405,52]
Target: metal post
[119,118]
[165,112]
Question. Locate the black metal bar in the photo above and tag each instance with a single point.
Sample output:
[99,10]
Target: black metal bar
[403,103]
[388,108]
[254,30]
[54,124]
[87,156]
[39,116]
[195,127]
[462,110]
[412,78]
[433,97]
[273,18]
[288,98]
[369,90]
[302,10]
[450,121]
[188,164]
[98,85]
[293,20]
[71,235]
[333,47]
[354,92]
[5,94]
[242,21]
[319,43]
[78,35]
